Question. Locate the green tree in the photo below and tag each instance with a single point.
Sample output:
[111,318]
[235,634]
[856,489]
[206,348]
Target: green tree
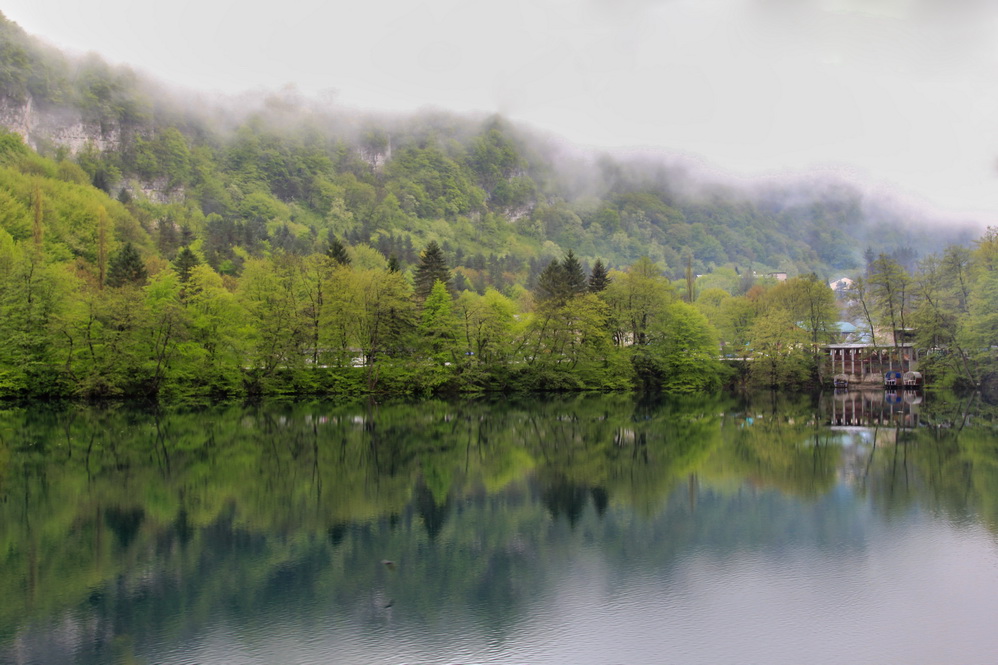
[575,277]
[551,287]
[166,331]
[370,310]
[106,330]
[572,336]
[561,281]
[684,350]
[810,303]
[33,302]
[599,277]
[185,262]
[638,300]
[956,271]
[438,325]
[126,267]
[780,355]
[890,286]
[431,269]
[494,159]
[486,324]
[218,334]
[937,318]
[273,297]
[862,306]
[337,252]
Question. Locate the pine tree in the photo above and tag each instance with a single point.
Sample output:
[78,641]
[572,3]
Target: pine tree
[574,275]
[337,252]
[393,264]
[559,282]
[599,278]
[432,267]
[551,284]
[185,262]
[126,268]
[168,239]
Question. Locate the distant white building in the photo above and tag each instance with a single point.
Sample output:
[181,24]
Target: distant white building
[840,285]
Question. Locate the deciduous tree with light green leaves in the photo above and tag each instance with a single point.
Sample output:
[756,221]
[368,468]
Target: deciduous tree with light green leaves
[368,310]
[890,286]
[685,351]
[638,299]
[438,325]
[780,356]
[272,295]
[487,325]
[218,334]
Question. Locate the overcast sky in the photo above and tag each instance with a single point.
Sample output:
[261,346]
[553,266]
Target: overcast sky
[903,92]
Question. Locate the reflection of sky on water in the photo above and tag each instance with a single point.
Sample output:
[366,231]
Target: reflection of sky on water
[920,592]
[819,582]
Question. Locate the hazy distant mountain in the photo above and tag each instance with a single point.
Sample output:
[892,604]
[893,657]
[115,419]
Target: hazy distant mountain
[241,177]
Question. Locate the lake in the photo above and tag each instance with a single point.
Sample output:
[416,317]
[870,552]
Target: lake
[841,528]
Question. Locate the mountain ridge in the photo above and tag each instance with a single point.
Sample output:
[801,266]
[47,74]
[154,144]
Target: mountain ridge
[481,186]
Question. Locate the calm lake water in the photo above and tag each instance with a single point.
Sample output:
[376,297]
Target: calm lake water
[593,529]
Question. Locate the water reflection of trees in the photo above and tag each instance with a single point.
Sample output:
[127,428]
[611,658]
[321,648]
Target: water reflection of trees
[239,509]
[777,441]
[936,453]
[87,492]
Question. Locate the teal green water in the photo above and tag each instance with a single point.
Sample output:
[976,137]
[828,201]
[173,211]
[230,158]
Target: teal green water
[587,529]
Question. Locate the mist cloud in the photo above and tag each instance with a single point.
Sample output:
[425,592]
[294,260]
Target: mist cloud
[889,90]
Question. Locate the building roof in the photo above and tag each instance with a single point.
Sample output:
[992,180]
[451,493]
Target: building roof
[840,283]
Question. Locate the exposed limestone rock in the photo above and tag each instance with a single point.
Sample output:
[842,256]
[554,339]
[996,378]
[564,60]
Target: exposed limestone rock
[44,127]
[157,191]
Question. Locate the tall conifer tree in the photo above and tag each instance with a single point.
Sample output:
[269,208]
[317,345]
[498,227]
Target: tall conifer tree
[337,252]
[559,282]
[551,284]
[574,275]
[127,267]
[432,267]
[599,278]
[185,262]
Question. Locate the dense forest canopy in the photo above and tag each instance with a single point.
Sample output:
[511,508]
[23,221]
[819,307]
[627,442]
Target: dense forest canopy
[147,247]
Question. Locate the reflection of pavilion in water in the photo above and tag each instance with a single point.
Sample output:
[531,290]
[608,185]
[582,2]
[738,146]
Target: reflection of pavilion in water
[890,408]
[862,421]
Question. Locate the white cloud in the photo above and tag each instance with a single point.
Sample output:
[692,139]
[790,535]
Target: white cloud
[899,89]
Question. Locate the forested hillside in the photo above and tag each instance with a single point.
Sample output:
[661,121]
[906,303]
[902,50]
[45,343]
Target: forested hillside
[151,243]
[280,173]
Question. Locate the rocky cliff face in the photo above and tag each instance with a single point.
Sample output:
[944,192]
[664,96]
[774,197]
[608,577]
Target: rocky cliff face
[45,127]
